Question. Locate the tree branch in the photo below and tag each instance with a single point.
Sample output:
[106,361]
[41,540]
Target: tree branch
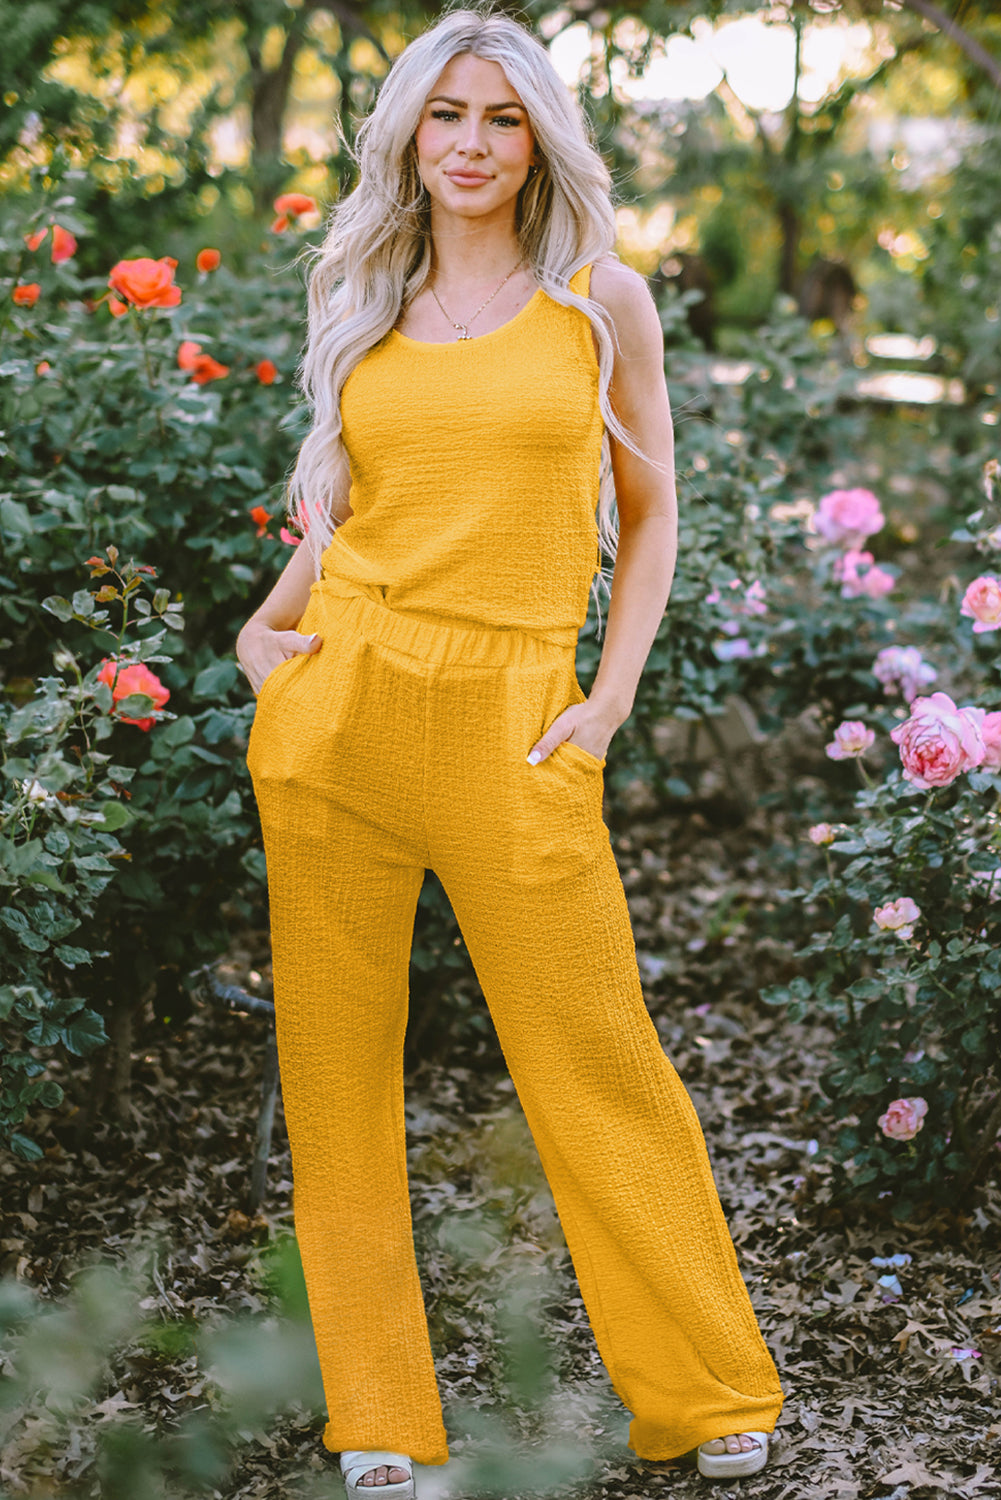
[945,23]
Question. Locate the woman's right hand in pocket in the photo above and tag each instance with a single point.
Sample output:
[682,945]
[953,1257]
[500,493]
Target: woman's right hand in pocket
[259,649]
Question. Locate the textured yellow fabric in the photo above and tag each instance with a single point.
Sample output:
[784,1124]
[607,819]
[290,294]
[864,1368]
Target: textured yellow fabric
[399,747]
[474,472]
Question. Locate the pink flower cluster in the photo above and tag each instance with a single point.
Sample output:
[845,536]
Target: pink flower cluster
[739,602]
[903,1119]
[847,517]
[874,583]
[903,669]
[982,603]
[752,602]
[940,741]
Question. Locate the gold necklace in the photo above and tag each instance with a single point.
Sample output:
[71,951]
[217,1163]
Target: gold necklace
[463,328]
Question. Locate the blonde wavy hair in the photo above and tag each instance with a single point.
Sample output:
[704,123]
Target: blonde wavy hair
[376,255]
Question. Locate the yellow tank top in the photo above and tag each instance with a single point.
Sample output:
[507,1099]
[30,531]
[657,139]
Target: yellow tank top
[474,473]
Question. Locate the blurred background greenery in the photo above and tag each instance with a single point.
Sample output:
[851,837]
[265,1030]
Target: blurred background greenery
[756,138]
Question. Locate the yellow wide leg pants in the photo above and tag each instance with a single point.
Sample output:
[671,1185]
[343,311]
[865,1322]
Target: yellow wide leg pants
[401,747]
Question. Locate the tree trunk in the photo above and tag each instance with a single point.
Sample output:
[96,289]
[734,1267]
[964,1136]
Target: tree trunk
[789,216]
[268,104]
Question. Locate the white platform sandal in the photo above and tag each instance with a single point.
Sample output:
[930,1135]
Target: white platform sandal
[734,1465]
[355,1465]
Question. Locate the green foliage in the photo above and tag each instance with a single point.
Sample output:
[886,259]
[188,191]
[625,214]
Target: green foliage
[61,808]
[108,436]
[913,1018]
[65,1358]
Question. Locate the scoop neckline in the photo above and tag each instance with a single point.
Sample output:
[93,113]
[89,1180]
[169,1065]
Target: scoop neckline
[477,338]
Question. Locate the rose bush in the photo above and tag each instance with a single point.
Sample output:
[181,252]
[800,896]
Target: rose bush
[914,1077]
[64,802]
[152,401]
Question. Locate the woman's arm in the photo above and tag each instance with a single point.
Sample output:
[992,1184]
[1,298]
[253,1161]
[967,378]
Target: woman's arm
[648,513]
[269,636]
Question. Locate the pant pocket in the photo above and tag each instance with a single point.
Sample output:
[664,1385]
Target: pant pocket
[577,752]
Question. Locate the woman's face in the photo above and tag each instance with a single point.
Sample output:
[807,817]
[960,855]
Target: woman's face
[474,143]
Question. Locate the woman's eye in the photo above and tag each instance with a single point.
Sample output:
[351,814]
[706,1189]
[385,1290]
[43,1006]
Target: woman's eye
[444,114]
[506,120]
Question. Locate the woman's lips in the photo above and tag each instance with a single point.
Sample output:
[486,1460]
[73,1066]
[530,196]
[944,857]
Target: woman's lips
[467,179]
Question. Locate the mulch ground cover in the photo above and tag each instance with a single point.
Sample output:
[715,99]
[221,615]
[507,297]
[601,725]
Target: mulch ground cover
[884,1394]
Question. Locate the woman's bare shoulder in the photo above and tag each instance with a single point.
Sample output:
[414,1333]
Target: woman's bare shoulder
[618,287]
[626,297]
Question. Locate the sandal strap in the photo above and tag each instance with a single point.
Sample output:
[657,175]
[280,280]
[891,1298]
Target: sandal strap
[355,1462]
[761,1438]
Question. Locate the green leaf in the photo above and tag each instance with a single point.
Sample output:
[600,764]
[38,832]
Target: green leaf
[115,815]
[71,956]
[84,1032]
[135,706]
[215,681]
[56,605]
[24,1147]
[15,518]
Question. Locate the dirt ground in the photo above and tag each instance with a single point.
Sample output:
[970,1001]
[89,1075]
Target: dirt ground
[883,1396]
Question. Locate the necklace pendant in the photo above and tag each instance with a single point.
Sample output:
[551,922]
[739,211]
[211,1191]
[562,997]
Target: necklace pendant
[464,332]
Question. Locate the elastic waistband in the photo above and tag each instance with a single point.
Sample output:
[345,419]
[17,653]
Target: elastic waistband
[436,639]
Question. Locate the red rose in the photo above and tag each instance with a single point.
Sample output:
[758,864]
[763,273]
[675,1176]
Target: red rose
[136,678]
[63,244]
[145,282]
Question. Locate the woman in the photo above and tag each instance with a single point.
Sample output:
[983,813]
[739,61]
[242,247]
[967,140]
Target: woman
[472,344]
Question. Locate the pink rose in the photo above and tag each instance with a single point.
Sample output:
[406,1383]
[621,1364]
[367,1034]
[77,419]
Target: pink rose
[903,1119]
[902,668]
[898,916]
[847,517]
[754,599]
[982,603]
[990,732]
[821,833]
[873,583]
[877,583]
[939,741]
[851,739]
[734,650]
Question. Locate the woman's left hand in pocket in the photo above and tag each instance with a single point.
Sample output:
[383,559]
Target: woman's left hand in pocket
[582,724]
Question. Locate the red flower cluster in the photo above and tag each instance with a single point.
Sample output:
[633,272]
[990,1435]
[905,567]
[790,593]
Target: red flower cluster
[26,294]
[290,206]
[208,260]
[202,366]
[63,243]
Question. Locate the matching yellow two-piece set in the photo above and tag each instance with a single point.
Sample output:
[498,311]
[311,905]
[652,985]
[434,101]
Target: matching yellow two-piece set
[449,607]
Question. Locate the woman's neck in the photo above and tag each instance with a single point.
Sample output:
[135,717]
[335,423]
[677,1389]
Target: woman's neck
[469,251]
